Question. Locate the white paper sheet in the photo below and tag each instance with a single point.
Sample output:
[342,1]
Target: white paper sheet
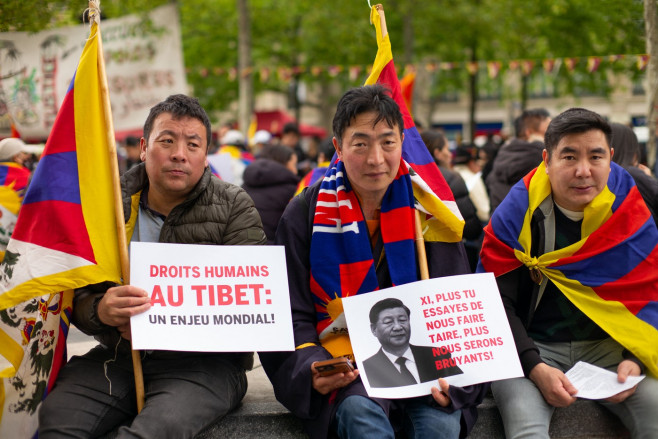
[594,382]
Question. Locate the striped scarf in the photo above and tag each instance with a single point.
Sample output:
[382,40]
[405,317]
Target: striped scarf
[611,274]
[341,257]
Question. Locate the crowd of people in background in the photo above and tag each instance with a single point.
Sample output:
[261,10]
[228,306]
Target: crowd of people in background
[273,168]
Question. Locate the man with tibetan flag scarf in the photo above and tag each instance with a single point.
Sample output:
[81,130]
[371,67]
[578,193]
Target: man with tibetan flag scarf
[353,233]
[574,250]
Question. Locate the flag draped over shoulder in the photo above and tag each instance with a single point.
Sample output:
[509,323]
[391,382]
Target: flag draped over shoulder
[341,257]
[443,221]
[611,274]
[65,238]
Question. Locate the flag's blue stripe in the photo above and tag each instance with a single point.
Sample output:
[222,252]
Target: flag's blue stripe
[72,82]
[4,171]
[620,183]
[615,263]
[414,150]
[649,314]
[55,179]
[507,221]
[407,271]
[396,199]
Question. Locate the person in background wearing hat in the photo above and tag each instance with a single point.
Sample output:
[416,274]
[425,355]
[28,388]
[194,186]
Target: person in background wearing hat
[14,178]
[234,144]
[261,139]
[15,150]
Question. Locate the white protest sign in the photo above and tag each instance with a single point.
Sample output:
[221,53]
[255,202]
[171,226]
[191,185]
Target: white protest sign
[144,64]
[211,298]
[458,328]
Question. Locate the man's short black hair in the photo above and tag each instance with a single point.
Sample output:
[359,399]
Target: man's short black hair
[132,141]
[179,106]
[278,153]
[383,304]
[290,127]
[574,121]
[326,147]
[368,98]
[531,118]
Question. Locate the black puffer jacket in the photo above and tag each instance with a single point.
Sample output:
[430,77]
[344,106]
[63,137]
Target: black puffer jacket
[215,212]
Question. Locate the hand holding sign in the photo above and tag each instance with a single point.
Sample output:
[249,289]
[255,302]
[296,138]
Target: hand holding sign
[451,327]
[119,304]
[209,298]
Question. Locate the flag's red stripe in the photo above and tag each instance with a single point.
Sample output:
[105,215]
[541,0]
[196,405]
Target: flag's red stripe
[528,177]
[636,291]
[57,225]
[352,276]
[62,136]
[401,215]
[389,77]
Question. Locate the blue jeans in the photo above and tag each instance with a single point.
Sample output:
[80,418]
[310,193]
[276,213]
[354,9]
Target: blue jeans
[526,414]
[360,417]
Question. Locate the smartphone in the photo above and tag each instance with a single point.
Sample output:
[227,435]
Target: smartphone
[334,365]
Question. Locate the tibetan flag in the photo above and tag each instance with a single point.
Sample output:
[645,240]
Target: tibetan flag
[443,221]
[611,274]
[65,238]
[14,176]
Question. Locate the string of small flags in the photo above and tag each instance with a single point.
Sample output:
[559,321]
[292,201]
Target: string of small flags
[590,64]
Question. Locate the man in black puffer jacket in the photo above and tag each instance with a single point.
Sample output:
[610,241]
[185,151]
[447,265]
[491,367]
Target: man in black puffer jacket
[171,197]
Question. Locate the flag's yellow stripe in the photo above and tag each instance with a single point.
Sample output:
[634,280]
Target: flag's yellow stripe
[614,318]
[384,52]
[96,190]
[13,352]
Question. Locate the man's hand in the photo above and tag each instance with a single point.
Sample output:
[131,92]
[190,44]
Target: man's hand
[625,369]
[119,304]
[441,396]
[554,385]
[325,385]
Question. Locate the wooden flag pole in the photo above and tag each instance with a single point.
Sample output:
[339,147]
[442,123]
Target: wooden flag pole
[94,14]
[420,248]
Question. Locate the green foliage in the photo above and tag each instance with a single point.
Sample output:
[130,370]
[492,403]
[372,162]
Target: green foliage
[306,34]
